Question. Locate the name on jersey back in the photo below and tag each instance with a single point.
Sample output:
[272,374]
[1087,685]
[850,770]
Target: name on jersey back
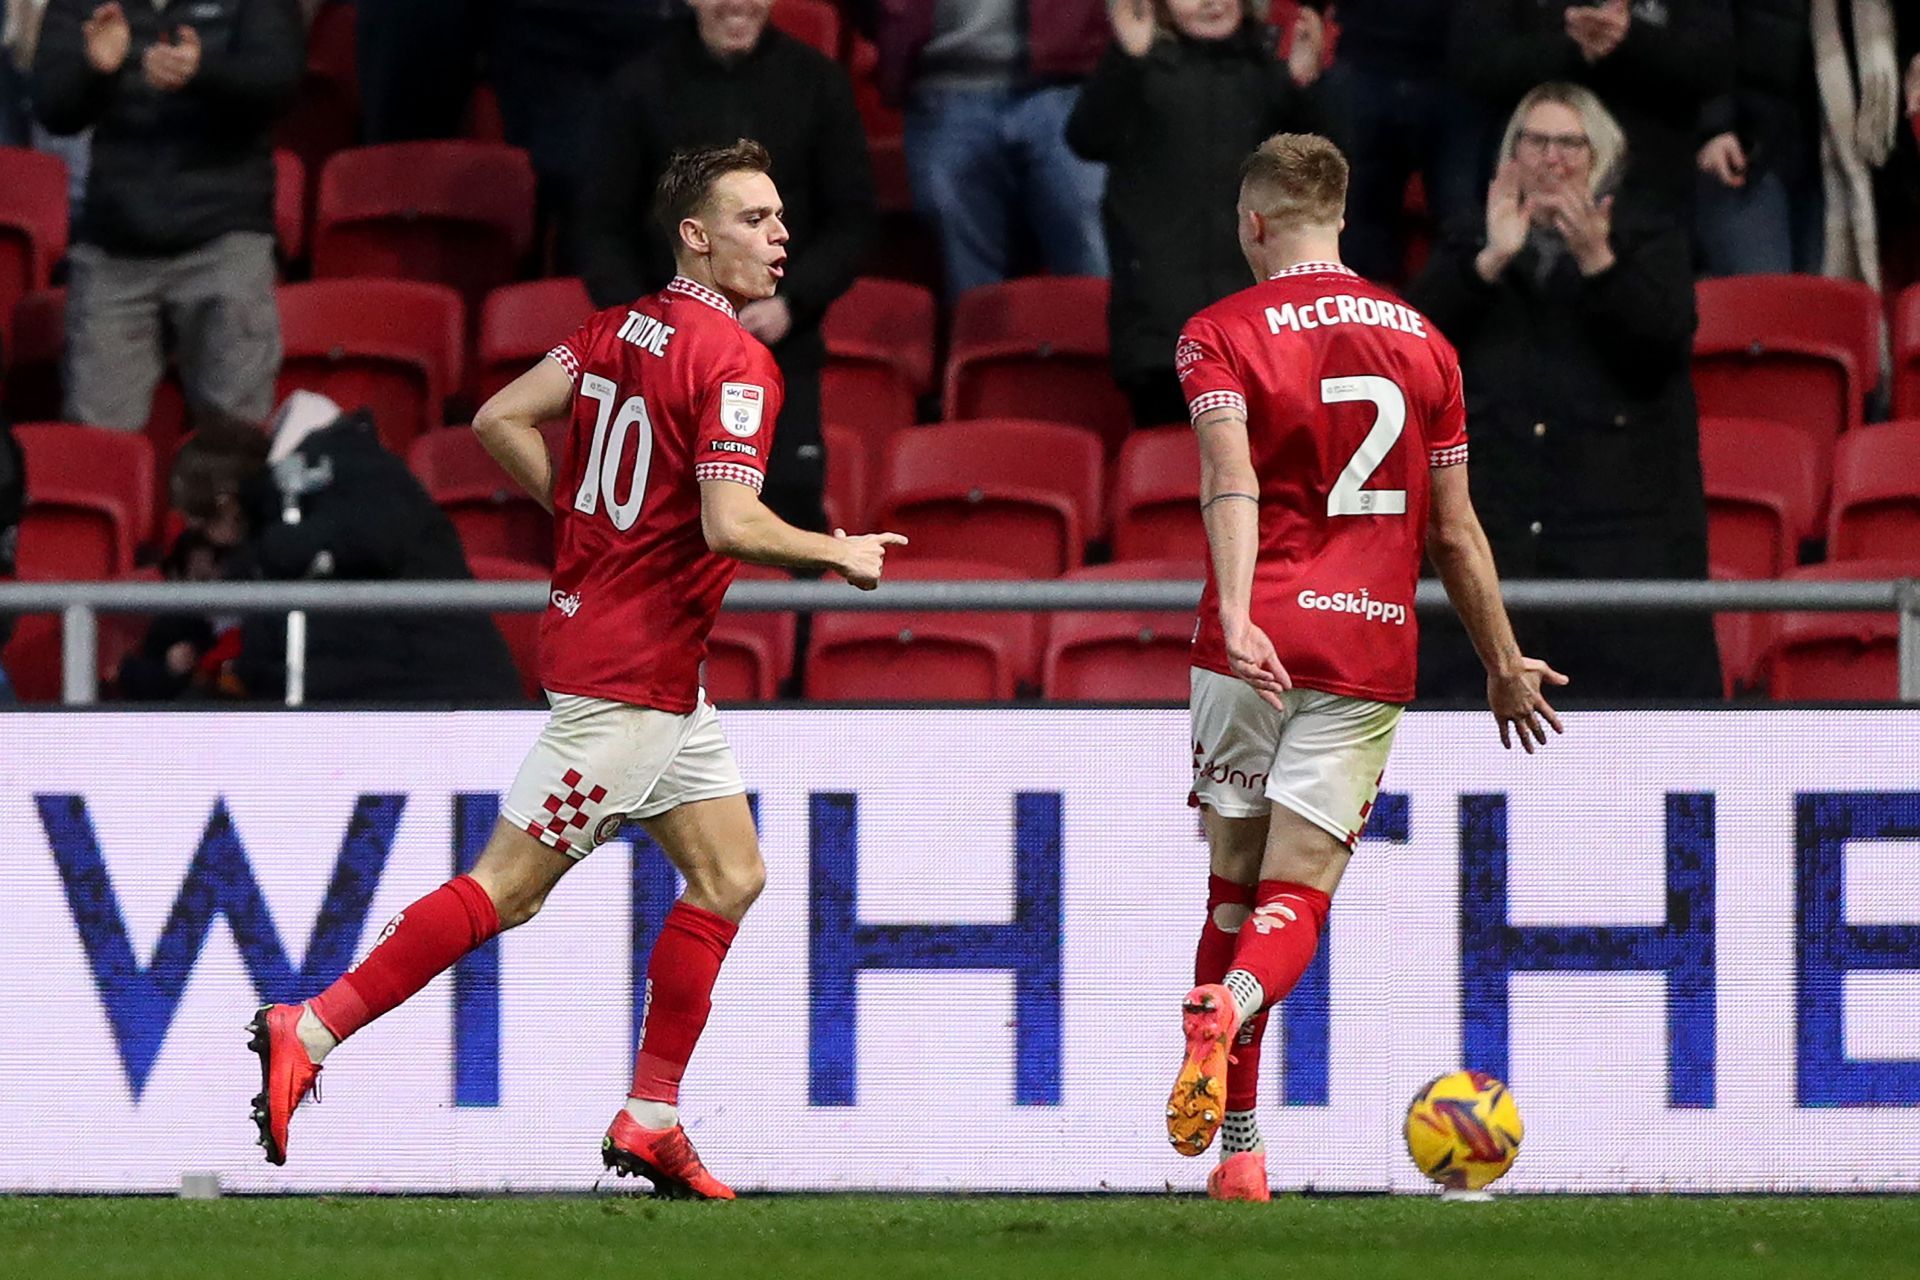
[647,333]
[1346,308]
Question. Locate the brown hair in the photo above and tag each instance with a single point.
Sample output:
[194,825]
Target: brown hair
[688,182]
[1296,179]
[219,458]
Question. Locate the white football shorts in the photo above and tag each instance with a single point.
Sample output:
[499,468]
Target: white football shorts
[598,764]
[1323,758]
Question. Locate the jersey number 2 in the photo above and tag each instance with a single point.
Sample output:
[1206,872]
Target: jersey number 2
[602,472]
[1347,498]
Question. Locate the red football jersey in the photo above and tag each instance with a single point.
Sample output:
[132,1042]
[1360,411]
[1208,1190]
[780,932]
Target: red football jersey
[668,392]
[1350,396]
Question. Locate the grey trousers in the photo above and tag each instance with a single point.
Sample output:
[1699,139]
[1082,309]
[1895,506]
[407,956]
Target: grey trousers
[214,306]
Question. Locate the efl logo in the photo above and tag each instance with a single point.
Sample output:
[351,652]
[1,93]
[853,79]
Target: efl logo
[740,406]
[1393,615]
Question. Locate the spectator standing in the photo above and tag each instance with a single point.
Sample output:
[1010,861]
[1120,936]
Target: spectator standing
[1573,314]
[1187,89]
[1760,203]
[987,86]
[719,75]
[361,516]
[175,244]
[1654,63]
[1401,114]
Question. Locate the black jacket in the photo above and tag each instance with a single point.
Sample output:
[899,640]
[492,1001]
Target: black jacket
[1773,105]
[1172,128]
[366,518]
[1584,436]
[172,171]
[784,95]
[1677,56]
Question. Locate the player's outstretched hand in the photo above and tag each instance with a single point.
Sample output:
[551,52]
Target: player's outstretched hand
[1521,708]
[864,554]
[1253,659]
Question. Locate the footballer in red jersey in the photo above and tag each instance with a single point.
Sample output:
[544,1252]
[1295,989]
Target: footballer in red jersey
[655,494]
[1333,455]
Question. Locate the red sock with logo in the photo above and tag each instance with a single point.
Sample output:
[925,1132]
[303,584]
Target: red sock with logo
[416,946]
[680,976]
[1278,943]
[1211,960]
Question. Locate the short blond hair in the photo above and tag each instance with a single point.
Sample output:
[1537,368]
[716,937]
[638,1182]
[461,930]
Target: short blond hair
[1605,137]
[1296,180]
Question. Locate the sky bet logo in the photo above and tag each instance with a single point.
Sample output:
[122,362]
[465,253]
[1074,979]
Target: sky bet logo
[140,998]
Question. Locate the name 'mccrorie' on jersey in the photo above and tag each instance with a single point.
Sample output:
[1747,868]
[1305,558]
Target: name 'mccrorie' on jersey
[668,392]
[1351,398]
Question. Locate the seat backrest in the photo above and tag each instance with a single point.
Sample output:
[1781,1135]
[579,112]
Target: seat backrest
[334,331]
[1156,495]
[33,225]
[1876,492]
[1134,656]
[999,643]
[89,500]
[1906,353]
[520,323]
[1036,348]
[884,321]
[289,204]
[750,654]
[1836,655]
[490,512]
[849,476]
[1746,322]
[1762,500]
[520,630]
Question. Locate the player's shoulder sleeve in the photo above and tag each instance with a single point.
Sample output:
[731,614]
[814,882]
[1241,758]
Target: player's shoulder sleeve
[1447,420]
[739,401]
[1209,373]
[572,352]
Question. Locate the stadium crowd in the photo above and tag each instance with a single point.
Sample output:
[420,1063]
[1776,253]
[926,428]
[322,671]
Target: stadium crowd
[1001,215]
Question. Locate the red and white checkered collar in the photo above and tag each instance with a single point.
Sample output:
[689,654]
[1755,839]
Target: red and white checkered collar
[1313,269]
[700,293]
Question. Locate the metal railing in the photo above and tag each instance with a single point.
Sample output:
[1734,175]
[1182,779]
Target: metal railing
[81,603]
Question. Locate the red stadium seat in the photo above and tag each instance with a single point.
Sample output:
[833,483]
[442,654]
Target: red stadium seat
[326,114]
[963,657]
[1876,492]
[520,323]
[393,346]
[1761,494]
[520,630]
[492,514]
[1156,497]
[750,654]
[33,224]
[1022,494]
[1795,349]
[811,22]
[32,658]
[1036,348]
[849,476]
[1906,353]
[289,205]
[1738,636]
[456,213]
[1122,657]
[879,337]
[89,500]
[1851,656]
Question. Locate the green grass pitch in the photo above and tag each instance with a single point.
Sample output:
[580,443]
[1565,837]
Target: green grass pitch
[855,1237]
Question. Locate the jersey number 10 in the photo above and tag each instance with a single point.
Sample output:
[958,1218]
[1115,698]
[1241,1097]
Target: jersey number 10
[1347,498]
[601,475]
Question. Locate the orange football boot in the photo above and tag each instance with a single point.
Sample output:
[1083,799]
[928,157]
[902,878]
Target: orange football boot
[1198,1102]
[286,1074]
[664,1157]
[1241,1176]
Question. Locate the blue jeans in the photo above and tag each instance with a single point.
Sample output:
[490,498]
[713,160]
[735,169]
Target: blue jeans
[978,159]
[1764,228]
[1394,127]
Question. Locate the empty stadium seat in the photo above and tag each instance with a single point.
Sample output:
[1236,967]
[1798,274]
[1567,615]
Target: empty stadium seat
[289,204]
[1761,494]
[33,224]
[325,116]
[750,654]
[922,656]
[1739,638]
[493,515]
[520,630]
[32,658]
[1023,494]
[1802,350]
[812,22]
[89,500]
[457,213]
[849,476]
[393,346]
[1876,492]
[1156,497]
[1832,656]
[1036,348]
[879,338]
[520,323]
[1139,656]
[1906,353]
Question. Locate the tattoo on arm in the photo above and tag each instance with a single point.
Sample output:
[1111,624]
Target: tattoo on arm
[1222,497]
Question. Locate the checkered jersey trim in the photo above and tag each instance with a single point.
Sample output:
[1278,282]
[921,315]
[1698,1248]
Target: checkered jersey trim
[1215,400]
[567,360]
[1313,269]
[732,471]
[700,293]
[1454,457]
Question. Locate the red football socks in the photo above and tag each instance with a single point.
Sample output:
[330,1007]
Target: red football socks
[680,976]
[1278,943]
[417,945]
[1211,960]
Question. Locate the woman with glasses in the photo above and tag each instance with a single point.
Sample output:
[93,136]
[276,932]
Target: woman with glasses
[1572,309]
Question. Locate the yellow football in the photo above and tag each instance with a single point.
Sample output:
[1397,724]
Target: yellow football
[1463,1130]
